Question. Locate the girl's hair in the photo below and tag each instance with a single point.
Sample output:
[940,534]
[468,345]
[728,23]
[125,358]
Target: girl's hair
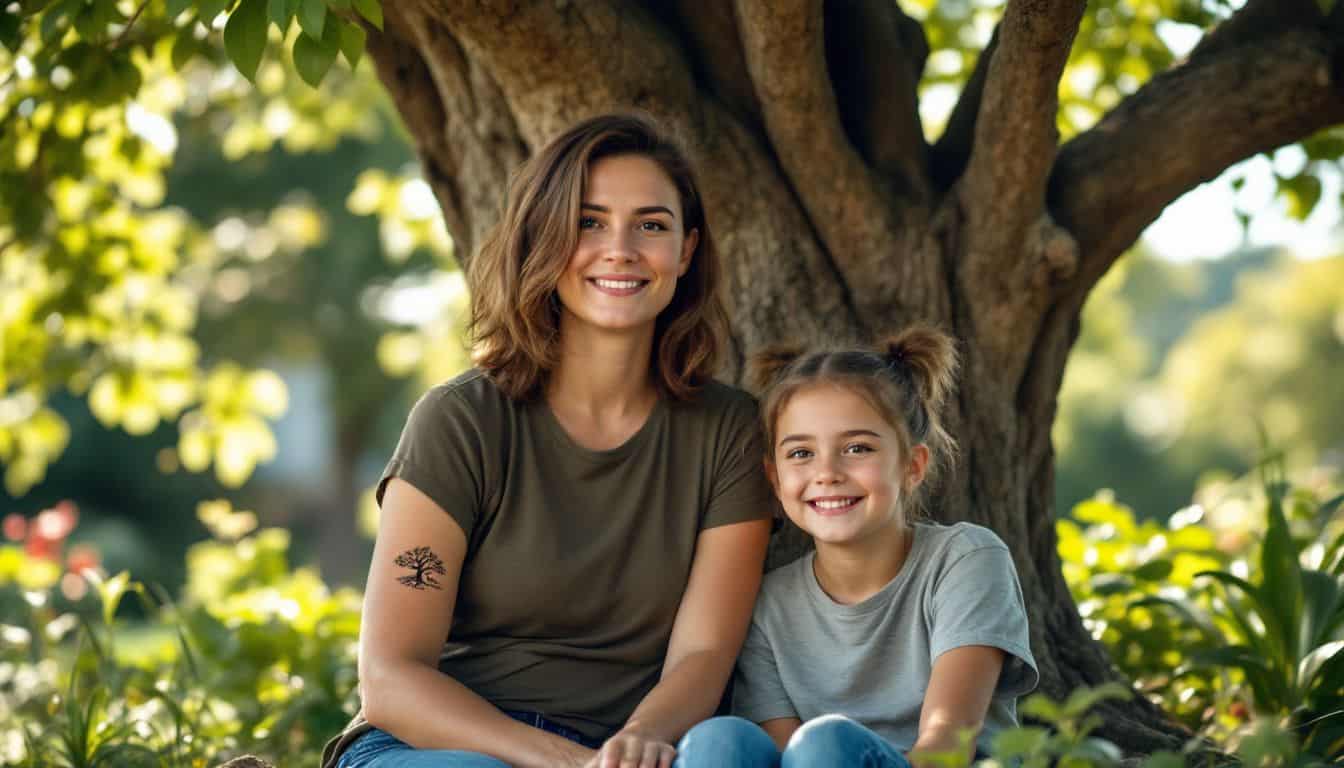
[907,378]
[515,311]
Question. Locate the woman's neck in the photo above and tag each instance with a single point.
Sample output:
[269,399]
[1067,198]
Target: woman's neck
[602,389]
[853,572]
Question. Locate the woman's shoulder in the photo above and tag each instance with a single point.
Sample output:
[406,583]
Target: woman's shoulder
[470,396]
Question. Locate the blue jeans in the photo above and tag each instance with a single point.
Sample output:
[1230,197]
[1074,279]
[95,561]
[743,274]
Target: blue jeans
[380,749]
[823,742]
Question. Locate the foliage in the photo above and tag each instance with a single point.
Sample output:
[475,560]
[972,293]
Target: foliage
[1227,636]
[256,657]
[1118,569]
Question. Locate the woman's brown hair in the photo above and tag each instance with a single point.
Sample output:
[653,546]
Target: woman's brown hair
[515,313]
[907,378]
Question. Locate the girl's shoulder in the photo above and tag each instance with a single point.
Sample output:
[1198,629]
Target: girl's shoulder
[955,539]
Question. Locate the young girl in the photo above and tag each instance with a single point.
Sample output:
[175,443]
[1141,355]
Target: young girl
[896,635]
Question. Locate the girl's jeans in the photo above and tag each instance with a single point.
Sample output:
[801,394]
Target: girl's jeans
[823,742]
[380,749]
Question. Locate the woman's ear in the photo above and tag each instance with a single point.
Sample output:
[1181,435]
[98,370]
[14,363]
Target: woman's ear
[687,250]
[917,467]
[772,475]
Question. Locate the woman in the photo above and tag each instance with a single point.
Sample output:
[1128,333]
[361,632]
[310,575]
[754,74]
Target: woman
[582,516]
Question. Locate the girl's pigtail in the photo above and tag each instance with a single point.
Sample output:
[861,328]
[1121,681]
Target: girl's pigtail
[927,359]
[766,366]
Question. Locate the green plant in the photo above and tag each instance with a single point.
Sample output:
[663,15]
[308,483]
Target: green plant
[1282,629]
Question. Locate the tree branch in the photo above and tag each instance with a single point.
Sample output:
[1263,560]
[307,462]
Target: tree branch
[875,55]
[464,134]
[1015,135]
[948,157]
[1013,251]
[851,208]
[1184,128]
[711,34]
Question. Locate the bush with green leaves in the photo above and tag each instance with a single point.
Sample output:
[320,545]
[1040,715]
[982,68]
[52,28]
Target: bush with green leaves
[1117,568]
[255,658]
[1282,625]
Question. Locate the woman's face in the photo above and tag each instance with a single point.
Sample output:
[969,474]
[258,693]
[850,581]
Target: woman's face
[631,248]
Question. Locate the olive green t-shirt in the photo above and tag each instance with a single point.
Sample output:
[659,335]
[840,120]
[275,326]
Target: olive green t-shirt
[576,559]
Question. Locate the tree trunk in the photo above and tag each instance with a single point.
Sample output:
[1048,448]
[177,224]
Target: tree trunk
[835,218]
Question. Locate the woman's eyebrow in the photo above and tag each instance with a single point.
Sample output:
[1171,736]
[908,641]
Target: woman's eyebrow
[641,211]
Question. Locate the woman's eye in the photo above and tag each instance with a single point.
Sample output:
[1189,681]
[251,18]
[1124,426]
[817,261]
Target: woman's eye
[653,226]
[587,222]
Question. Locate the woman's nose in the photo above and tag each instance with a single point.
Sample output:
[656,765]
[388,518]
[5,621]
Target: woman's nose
[620,246]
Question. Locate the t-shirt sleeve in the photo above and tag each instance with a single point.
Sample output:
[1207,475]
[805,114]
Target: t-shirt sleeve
[758,692]
[978,601]
[739,490]
[440,454]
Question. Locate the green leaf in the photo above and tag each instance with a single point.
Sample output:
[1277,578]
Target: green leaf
[245,36]
[1322,599]
[1019,742]
[1281,578]
[1326,6]
[185,46]
[372,11]
[176,7]
[1154,570]
[10,30]
[312,58]
[352,38]
[1303,191]
[1316,661]
[281,12]
[312,17]
[207,10]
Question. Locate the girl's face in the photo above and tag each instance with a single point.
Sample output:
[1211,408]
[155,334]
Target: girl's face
[837,468]
[631,248]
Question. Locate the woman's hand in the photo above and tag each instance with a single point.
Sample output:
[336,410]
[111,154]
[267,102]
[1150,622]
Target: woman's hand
[632,749]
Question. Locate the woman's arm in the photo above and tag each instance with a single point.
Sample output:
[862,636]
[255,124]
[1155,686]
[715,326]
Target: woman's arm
[706,636]
[960,687]
[407,614]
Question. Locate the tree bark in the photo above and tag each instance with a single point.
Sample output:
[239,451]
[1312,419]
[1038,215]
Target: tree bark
[836,219]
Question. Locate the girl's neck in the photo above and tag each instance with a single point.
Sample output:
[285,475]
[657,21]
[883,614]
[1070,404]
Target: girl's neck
[851,573]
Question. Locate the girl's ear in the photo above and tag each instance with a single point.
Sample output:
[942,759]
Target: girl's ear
[918,466]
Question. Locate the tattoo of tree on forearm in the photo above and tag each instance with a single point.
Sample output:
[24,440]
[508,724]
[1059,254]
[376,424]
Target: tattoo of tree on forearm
[425,563]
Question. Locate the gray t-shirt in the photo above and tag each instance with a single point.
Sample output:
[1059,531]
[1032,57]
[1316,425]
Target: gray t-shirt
[807,655]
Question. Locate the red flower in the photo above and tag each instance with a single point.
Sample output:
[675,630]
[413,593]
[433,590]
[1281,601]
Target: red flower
[82,557]
[15,526]
[56,523]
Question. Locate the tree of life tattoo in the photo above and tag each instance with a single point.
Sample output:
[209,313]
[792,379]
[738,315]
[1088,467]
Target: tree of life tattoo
[425,563]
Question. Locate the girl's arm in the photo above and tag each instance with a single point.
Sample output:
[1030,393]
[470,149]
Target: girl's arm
[960,688]
[405,620]
[706,636]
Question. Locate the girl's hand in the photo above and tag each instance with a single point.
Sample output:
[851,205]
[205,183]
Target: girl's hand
[631,749]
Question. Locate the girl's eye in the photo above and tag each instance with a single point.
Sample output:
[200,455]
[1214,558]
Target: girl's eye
[798,453]
[858,448]
[653,226]
[587,222]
